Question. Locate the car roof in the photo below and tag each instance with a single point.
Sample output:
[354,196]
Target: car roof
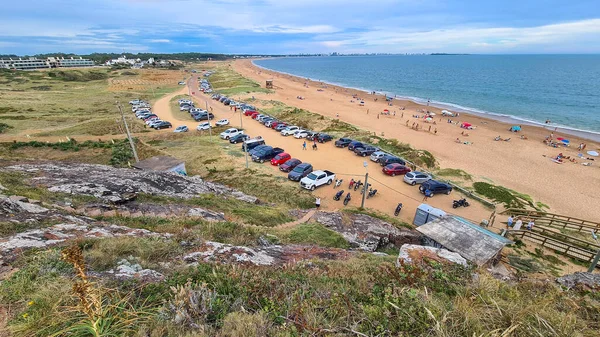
[304,165]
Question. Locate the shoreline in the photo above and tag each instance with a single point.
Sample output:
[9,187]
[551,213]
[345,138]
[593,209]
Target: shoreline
[586,135]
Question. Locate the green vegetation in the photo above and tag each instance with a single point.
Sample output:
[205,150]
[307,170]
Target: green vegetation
[228,82]
[315,234]
[508,197]
[458,173]
[4,127]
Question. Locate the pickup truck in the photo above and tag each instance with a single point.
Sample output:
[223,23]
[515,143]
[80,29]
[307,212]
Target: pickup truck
[316,179]
[343,142]
[231,132]
[267,153]
[367,150]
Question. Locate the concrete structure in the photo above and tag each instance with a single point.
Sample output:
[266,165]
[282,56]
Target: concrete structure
[426,213]
[163,164]
[458,235]
[31,63]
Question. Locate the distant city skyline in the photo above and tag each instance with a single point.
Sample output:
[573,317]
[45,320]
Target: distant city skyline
[294,27]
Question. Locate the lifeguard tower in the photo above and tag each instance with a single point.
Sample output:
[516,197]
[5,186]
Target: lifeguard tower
[269,84]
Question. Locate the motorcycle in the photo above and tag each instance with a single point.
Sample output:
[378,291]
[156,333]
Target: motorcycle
[372,193]
[357,185]
[458,203]
[398,209]
[338,195]
[351,183]
[362,190]
[347,199]
[338,183]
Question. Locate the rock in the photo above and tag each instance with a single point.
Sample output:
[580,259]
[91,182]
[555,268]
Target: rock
[2,188]
[18,198]
[116,185]
[110,213]
[410,254]
[35,202]
[94,212]
[12,205]
[127,270]
[366,233]
[206,214]
[582,279]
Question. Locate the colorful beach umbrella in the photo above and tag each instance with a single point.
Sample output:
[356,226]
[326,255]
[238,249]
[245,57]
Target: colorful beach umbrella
[593,153]
[559,138]
[566,141]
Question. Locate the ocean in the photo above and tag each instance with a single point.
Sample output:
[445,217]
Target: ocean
[521,89]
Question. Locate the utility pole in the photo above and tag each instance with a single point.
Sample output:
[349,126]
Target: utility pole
[362,204]
[128,133]
[596,258]
[241,127]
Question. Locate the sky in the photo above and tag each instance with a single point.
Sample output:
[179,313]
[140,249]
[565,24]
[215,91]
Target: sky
[301,26]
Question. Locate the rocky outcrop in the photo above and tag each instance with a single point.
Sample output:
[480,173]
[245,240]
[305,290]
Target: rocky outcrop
[410,254]
[580,279]
[266,255]
[366,233]
[115,184]
[127,270]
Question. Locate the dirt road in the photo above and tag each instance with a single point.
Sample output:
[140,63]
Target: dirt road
[391,190]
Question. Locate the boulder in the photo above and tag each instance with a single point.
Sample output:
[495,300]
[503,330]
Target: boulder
[410,254]
[582,279]
[127,270]
[206,214]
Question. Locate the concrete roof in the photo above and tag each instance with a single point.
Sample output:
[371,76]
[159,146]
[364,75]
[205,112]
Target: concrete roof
[471,241]
[158,163]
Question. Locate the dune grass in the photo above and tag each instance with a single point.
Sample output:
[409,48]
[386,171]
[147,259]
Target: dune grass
[228,82]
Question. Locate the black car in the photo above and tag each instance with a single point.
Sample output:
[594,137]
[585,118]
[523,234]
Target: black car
[435,187]
[163,125]
[289,165]
[238,138]
[203,116]
[367,150]
[343,142]
[323,137]
[227,101]
[355,145]
[387,159]
[254,147]
[222,99]
[300,172]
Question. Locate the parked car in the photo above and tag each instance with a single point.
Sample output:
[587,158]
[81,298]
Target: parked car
[223,98]
[312,135]
[300,171]
[395,169]
[204,116]
[163,125]
[256,149]
[230,133]
[181,83]
[135,101]
[316,179]
[323,138]
[238,138]
[435,187]
[281,126]
[280,159]
[275,123]
[290,130]
[389,159]
[289,165]
[203,126]
[416,177]
[249,112]
[154,122]
[181,128]
[300,134]
[250,144]
[186,107]
[354,145]
[343,142]
[367,150]
[222,122]
[375,156]
[265,154]
[269,123]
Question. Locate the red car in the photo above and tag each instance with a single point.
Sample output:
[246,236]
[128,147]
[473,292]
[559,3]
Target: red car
[274,124]
[395,169]
[249,112]
[289,165]
[280,159]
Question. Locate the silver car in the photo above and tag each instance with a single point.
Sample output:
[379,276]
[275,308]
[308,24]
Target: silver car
[416,177]
[377,155]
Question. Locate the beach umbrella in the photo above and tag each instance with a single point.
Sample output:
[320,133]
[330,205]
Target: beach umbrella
[566,141]
[428,118]
[593,153]
[559,138]
[431,113]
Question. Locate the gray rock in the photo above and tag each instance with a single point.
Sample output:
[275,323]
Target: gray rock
[410,253]
[206,214]
[366,233]
[589,280]
[128,270]
[18,198]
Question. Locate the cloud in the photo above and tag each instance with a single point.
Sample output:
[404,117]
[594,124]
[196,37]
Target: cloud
[159,41]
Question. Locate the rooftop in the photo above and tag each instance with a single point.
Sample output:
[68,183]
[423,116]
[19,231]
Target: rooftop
[471,241]
[158,163]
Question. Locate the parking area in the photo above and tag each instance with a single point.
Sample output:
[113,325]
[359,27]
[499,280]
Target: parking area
[344,163]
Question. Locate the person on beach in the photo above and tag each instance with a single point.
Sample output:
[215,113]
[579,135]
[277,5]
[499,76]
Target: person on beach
[367,111]
[435,131]
[304,145]
[377,116]
[429,128]
[318,202]
[407,122]
[509,221]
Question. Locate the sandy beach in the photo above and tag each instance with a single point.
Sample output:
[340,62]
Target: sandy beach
[523,165]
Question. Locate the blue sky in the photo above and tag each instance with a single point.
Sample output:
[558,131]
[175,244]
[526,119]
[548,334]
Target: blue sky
[301,26]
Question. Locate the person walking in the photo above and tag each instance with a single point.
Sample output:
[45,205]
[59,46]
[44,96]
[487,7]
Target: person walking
[304,145]
[318,202]
[427,195]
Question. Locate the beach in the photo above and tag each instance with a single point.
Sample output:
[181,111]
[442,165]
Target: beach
[523,165]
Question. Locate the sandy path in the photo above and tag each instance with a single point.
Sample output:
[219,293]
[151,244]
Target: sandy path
[341,161]
[519,164]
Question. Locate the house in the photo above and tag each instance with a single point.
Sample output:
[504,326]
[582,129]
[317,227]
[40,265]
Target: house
[474,243]
[163,164]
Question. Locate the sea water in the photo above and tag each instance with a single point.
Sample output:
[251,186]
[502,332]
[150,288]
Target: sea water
[523,89]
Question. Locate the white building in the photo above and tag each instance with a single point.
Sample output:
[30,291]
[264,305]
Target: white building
[50,62]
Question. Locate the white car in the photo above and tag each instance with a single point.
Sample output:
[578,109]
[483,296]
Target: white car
[300,134]
[204,126]
[181,128]
[222,122]
[181,83]
[290,130]
[231,132]
[154,122]
[151,120]
[416,177]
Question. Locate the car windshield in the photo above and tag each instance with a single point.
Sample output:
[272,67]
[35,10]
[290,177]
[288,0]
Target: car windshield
[312,176]
[299,169]
[410,175]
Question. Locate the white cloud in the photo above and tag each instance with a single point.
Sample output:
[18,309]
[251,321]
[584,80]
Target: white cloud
[159,41]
